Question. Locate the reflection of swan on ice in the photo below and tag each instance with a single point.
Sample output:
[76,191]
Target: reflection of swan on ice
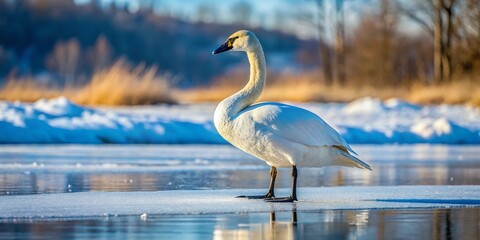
[279,134]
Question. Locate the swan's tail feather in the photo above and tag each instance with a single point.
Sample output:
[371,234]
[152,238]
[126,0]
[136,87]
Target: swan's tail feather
[352,161]
[346,148]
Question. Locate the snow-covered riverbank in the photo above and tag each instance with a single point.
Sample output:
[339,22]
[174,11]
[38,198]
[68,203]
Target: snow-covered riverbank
[365,120]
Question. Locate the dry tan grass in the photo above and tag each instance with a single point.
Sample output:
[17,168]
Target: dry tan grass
[294,92]
[121,84]
[294,88]
[456,92]
[305,88]
[27,90]
[317,92]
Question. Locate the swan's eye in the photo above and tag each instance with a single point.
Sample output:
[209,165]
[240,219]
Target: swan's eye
[231,40]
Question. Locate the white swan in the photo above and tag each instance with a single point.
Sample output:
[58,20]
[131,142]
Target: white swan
[279,134]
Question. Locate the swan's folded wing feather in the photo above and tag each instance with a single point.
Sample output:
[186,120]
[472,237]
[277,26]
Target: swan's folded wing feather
[296,125]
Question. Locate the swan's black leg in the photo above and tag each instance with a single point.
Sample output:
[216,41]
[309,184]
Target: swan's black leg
[270,193]
[292,197]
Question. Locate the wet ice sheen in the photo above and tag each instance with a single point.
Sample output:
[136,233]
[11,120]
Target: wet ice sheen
[38,169]
[382,212]
[90,204]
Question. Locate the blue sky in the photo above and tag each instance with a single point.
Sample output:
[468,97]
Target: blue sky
[265,13]
[264,10]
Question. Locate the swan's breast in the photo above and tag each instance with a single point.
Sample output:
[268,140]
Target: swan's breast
[245,133]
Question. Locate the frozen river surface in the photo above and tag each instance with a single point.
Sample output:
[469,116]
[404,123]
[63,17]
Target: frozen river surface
[187,191]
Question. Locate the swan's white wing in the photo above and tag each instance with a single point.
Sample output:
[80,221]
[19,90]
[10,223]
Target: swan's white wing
[294,124]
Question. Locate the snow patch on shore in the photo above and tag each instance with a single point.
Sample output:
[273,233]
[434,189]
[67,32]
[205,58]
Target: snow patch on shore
[366,120]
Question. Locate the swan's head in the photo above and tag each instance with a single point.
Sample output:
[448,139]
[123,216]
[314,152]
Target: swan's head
[242,40]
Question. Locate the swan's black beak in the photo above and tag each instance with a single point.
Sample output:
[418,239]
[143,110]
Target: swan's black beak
[225,47]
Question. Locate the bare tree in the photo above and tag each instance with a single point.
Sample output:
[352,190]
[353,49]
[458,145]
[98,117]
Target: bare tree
[438,47]
[437,15]
[65,60]
[329,61]
[442,34]
[466,41]
[318,20]
[101,54]
[387,34]
[340,71]
[447,54]
[382,55]
[242,13]
[323,46]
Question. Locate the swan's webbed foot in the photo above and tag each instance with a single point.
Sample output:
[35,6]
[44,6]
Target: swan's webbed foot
[293,197]
[266,196]
[282,199]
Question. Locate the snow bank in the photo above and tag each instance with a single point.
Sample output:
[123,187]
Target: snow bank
[369,120]
[91,204]
[61,121]
[365,120]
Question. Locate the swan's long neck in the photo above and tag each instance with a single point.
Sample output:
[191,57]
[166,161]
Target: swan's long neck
[245,97]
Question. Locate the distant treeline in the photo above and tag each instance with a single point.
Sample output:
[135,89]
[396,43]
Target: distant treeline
[385,49]
[69,41]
